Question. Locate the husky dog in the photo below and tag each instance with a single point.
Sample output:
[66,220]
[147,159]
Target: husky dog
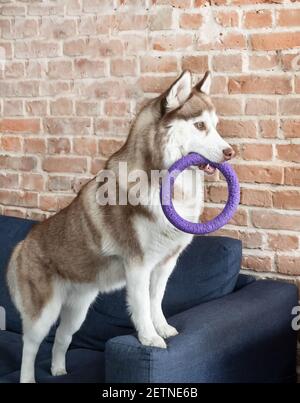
[64,262]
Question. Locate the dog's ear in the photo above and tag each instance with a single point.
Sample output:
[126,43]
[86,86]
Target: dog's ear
[178,93]
[205,84]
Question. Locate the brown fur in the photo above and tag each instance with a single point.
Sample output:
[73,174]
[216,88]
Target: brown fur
[68,245]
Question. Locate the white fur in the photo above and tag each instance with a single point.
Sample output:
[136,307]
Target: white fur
[180,91]
[160,242]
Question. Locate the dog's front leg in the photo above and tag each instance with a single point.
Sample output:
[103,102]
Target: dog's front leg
[138,298]
[159,278]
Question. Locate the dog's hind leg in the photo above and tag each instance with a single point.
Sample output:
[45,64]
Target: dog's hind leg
[34,332]
[72,316]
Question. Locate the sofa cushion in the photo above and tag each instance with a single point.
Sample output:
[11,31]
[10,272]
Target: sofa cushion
[12,231]
[82,365]
[206,270]
[11,352]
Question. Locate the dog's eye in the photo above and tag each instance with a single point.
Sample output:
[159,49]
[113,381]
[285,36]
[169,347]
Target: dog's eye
[200,126]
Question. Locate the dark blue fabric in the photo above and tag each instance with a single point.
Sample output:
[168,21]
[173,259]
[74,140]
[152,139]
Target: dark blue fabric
[12,231]
[243,337]
[207,269]
[82,365]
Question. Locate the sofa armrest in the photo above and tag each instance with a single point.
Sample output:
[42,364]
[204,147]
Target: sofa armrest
[243,337]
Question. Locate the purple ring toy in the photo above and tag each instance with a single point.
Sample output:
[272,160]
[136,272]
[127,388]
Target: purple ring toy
[209,226]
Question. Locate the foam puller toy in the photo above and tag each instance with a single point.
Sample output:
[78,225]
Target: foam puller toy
[208,226]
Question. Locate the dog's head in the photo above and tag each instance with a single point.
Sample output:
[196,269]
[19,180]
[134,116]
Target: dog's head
[189,118]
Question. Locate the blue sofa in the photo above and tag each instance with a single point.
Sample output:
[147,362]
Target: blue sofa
[231,327]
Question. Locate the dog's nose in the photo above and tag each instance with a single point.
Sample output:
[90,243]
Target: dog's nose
[228,153]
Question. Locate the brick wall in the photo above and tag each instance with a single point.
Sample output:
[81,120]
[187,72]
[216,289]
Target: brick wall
[73,74]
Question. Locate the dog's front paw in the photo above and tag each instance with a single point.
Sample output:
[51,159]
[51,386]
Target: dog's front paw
[153,341]
[58,371]
[165,330]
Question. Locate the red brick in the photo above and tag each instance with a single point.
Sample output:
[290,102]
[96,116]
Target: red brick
[30,181]
[190,21]
[36,49]
[19,199]
[172,42]
[87,108]
[237,128]
[288,265]
[259,174]
[251,240]
[260,106]
[12,10]
[155,83]
[195,64]
[292,176]
[130,21]
[282,242]
[218,194]
[45,9]
[288,18]
[14,70]
[227,63]
[158,64]
[227,18]
[268,128]
[227,106]
[260,85]
[85,68]
[85,146]
[239,218]
[161,20]
[288,152]
[12,107]
[17,163]
[36,108]
[287,199]
[59,146]
[116,108]
[134,44]
[256,152]
[75,126]
[57,28]
[218,85]
[289,106]
[227,41]
[275,41]
[9,181]
[174,3]
[61,107]
[123,67]
[65,164]
[60,69]
[268,219]
[256,197]
[290,61]
[290,128]
[263,62]
[257,263]
[20,126]
[258,19]
[103,89]
[59,183]
[34,145]
[53,88]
